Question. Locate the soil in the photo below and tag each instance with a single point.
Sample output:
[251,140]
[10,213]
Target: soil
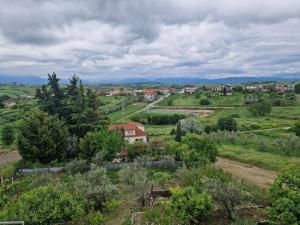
[257,176]
[6,158]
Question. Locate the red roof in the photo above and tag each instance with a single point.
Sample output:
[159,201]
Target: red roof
[129,126]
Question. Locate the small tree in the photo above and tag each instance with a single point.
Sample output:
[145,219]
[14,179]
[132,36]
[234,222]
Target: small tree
[285,198]
[190,206]
[188,125]
[297,88]
[138,148]
[227,123]
[161,178]
[296,128]
[261,108]
[44,205]
[289,144]
[199,149]
[204,101]
[42,138]
[227,194]
[8,134]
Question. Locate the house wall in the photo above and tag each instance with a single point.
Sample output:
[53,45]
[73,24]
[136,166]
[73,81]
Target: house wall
[138,138]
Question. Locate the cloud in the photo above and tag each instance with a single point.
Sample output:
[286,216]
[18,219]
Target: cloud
[116,39]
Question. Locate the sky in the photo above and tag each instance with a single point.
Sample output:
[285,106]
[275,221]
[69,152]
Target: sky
[120,39]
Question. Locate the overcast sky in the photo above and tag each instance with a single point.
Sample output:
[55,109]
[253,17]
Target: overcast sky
[117,39]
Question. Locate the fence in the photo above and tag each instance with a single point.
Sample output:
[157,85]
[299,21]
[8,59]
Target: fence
[109,166]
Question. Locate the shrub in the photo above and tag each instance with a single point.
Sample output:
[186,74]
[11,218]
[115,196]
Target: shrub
[77,166]
[161,178]
[95,218]
[42,138]
[43,205]
[285,198]
[289,144]
[204,101]
[260,108]
[227,123]
[8,134]
[297,88]
[296,128]
[190,206]
[138,148]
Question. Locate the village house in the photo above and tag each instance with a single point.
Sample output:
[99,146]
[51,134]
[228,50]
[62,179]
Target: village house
[150,95]
[166,91]
[131,131]
[117,92]
[189,89]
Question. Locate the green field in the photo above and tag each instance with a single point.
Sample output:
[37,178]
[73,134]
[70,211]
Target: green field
[124,114]
[15,91]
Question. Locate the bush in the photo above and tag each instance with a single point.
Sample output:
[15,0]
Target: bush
[161,178]
[188,125]
[138,148]
[42,138]
[260,108]
[297,88]
[285,198]
[77,166]
[199,149]
[8,134]
[43,205]
[95,218]
[190,206]
[296,129]
[204,101]
[227,123]
[109,142]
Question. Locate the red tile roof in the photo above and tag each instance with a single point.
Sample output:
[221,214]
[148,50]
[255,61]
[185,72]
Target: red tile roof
[128,126]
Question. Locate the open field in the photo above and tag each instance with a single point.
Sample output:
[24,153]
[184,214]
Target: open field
[16,91]
[119,115]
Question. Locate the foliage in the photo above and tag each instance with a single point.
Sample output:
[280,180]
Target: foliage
[95,218]
[199,149]
[109,142]
[161,215]
[161,178]
[296,128]
[8,134]
[138,148]
[96,186]
[42,138]
[227,194]
[285,198]
[43,205]
[188,125]
[289,144]
[204,101]
[77,166]
[157,119]
[297,88]
[227,123]
[189,206]
[260,108]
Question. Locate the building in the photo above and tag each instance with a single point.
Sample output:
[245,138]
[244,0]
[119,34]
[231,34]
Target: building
[150,95]
[189,89]
[166,91]
[131,131]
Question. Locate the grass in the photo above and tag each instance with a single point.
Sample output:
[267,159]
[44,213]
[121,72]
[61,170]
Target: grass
[15,91]
[158,130]
[261,159]
[124,115]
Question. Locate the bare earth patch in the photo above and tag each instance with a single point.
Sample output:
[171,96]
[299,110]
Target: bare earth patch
[6,158]
[257,176]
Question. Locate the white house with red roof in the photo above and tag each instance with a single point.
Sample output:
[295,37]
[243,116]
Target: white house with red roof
[132,131]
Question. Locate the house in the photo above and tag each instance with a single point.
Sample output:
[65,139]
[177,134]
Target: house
[150,95]
[166,91]
[226,89]
[112,93]
[131,131]
[31,95]
[189,89]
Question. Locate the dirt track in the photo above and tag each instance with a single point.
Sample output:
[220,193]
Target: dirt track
[6,158]
[250,174]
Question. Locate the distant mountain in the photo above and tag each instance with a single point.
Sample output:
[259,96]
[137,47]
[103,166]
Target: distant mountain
[21,79]
[227,80]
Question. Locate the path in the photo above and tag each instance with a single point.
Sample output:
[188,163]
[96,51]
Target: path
[257,176]
[6,158]
[267,129]
[146,108]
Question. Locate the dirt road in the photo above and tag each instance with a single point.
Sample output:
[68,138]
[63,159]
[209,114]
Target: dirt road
[6,158]
[250,174]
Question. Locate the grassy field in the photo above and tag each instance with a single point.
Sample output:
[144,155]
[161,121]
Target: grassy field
[126,112]
[261,159]
[16,91]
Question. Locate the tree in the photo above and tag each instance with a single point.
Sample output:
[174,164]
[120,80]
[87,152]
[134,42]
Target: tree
[138,148]
[227,123]
[289,144]
[43,205]
[297,88]
[285,198]
[95,186]
[42,138]
[227,194]
[109,142]
[204,101]
[8,134]
[188,125]
[199,149]
[260,108]
[296,128]
[190,206]
[161,178]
